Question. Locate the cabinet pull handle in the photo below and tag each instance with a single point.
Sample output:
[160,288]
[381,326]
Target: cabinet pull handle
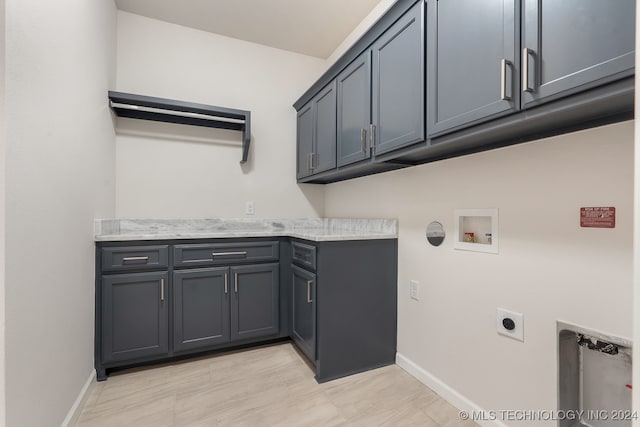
[135,258]
[309,283]
[309,161]
[161,289]
[235,281]
[312,157]
[363,140]
[525,69]
[226,283]
[372,135]
[215,254]
[503,79]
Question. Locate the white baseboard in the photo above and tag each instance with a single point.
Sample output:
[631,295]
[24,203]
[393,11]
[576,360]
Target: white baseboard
[445,391]
[74,413]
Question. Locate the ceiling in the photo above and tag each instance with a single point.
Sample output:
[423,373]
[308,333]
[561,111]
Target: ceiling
[310,27]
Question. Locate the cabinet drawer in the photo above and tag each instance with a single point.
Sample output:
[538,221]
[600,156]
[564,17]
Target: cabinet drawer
[304,255]
[135,257]
[224,253]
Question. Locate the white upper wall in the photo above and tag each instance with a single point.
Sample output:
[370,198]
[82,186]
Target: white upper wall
[172,171]
[2,214]
[636,246]
[60,62]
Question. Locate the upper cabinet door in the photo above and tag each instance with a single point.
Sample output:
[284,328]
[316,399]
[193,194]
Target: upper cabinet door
[304,140]
[572,45]
[472,61]
[354,110]
[324,153]
[398,83]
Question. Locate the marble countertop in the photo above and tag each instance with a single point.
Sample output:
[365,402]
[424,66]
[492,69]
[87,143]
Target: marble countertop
[318,229]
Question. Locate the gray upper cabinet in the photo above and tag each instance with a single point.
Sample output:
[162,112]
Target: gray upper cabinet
[324,154]
[354,110]
[317,133]
[304,141]
[135,315]
[434,79]
[200,308]
[398,83]
[255,301]
[572,45]
[473,58]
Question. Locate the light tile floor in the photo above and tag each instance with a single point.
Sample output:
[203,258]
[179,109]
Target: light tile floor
[262,386]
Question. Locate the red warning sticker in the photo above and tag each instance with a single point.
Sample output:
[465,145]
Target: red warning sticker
[598,217]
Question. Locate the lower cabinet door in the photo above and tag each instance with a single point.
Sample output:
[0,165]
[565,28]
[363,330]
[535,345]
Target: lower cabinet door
[134,315]
[255,300]
[303,328]
[201,308]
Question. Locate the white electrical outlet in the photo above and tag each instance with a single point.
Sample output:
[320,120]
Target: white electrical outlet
[249,208]
[510,324]
[414,288]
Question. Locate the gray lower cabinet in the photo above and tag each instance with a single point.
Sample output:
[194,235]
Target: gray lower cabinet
[303,326]
[254,301]
[398,84]
[154,302]
[473,62]
[135,315]
[344,304]
[317,133]
[216,305]
[200,308]
[572,45]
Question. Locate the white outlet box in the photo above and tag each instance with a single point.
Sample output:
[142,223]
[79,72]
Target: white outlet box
[249,208]
[414,290]
[516,322]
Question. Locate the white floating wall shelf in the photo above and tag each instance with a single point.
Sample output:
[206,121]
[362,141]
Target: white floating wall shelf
[186,113]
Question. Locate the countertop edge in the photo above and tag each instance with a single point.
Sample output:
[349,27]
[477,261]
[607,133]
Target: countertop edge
[186,236]
[310,229]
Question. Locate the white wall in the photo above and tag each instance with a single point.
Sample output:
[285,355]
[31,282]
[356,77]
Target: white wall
[197,173]
[548,267]
[2,215]
[60,62]
[636,242]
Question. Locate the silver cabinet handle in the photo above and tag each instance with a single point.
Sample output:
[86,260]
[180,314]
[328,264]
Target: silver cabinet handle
[372,135]
[309,283]
[309,161]
[525,70]
[503,79]
[161,289]
[226,283]
[135,258]
[241,253]
[235,281]
[312,157]
[363,140]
